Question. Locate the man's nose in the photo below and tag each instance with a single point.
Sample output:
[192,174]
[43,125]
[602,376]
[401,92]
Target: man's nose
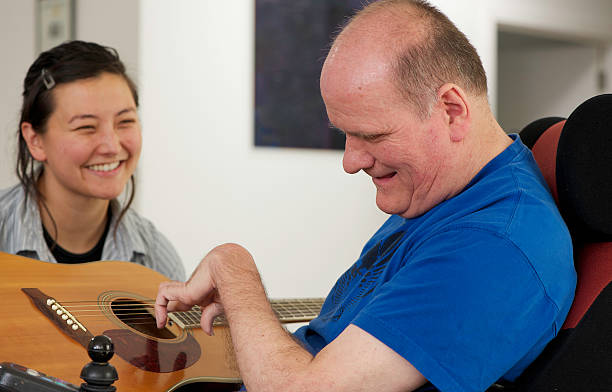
[356,157]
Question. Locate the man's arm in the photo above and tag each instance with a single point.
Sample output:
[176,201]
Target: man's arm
[268,357]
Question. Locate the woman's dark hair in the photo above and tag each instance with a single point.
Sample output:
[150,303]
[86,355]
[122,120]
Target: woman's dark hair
[65,63]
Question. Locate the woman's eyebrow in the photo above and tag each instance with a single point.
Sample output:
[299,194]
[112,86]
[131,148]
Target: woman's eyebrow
[126,110]
[82,117]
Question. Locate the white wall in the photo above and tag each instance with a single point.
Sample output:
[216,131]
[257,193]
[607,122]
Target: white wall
[114,23]
[17,41]
[589,19]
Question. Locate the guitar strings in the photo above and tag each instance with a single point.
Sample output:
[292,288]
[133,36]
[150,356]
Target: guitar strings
[150,304]
[89,313]
[130,311]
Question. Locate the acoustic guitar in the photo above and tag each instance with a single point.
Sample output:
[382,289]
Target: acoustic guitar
[49,312]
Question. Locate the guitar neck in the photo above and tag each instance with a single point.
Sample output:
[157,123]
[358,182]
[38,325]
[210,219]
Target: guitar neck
[297,310]
[287,310]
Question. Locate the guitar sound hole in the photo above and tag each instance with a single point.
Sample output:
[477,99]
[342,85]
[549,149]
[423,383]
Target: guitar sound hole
[139,317]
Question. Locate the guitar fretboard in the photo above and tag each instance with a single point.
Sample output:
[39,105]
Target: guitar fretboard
[287,311]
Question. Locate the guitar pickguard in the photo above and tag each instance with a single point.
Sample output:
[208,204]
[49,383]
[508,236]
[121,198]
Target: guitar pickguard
[154,355]
[138,340]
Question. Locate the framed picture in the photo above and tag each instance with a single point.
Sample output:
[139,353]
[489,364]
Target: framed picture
[291,41]
[55,22]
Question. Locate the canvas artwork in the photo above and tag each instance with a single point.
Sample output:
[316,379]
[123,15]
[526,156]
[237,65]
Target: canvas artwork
[292,40]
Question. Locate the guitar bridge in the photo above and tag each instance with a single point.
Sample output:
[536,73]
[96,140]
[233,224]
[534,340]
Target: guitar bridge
[65,315]
[58,314]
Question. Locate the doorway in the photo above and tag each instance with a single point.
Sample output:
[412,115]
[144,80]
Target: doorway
[541,75]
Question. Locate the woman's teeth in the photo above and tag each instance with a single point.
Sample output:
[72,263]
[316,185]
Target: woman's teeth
[105,167]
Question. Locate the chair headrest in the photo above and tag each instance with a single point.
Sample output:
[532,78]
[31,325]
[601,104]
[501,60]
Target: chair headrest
[575,156]
[535,129]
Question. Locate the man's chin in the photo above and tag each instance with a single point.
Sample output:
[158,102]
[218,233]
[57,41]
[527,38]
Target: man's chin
[389,208]
[398,209]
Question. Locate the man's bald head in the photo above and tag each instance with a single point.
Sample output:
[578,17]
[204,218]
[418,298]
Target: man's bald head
[418,47]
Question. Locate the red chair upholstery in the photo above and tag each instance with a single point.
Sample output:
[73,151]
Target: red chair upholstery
[575,156]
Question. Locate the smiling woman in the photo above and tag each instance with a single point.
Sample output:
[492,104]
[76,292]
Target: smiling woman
[79,144]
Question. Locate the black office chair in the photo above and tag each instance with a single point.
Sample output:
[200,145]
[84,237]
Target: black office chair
[575,156]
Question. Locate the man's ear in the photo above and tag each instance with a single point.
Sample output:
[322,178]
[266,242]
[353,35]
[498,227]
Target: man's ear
[34,142]
[457,113]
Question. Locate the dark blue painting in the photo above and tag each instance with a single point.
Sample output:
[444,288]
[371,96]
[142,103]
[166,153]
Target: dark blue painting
[292,38]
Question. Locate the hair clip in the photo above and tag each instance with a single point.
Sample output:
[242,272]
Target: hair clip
[47,79]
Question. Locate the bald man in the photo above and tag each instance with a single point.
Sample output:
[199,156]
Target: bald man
[471,275]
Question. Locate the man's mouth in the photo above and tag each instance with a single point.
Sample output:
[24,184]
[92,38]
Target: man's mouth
[386,176]
[383,180]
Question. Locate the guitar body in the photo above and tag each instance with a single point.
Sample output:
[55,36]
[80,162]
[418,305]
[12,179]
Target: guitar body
[101,297]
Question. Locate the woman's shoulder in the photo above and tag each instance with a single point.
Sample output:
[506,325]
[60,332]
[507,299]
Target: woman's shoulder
[10,199]
[13,218]
[140,228]
[16,189]
[135,222]
[160,252]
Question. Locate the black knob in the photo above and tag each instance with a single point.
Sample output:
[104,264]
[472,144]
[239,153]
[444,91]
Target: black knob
[100,348]
[99,374]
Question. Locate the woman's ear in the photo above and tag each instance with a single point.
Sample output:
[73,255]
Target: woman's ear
[34,142]
[456,109]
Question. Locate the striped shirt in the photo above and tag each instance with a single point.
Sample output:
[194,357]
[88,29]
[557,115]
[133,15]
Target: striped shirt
[137,240]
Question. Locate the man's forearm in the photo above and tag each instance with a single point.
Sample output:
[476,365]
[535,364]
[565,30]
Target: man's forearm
[268,357]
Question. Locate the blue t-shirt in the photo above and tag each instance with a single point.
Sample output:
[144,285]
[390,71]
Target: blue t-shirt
[469,292]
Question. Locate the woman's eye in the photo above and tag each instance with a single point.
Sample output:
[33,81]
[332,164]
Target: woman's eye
[127,122]
[85,127]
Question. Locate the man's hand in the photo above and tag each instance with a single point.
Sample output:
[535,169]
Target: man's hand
[201,288]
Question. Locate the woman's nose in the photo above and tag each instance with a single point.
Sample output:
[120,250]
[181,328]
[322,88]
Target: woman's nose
[109,140]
